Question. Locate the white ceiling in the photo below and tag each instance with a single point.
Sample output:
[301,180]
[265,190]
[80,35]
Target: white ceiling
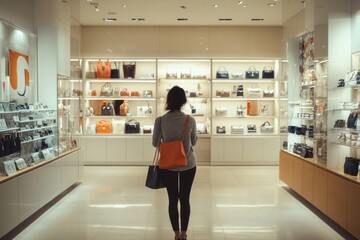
[198,12]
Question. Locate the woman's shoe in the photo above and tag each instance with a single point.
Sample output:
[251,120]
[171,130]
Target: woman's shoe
[184,238]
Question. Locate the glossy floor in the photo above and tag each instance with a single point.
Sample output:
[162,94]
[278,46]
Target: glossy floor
[227,203]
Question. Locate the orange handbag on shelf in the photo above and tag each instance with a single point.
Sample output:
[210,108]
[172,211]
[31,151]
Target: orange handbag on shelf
[103,127]
[172,154]
[124,92]
[103,69]
[135,94]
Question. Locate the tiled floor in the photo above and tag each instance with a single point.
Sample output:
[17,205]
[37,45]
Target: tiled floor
[227,203]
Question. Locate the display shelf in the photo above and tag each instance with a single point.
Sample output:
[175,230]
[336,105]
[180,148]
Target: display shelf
[351,130]
[69,98]
[243,99]
[185,79]
[120,98]
[118,117]
[246,117]
[272,80]
[9,130]
[35,129]
[37,139]
[35,120]
[118,80]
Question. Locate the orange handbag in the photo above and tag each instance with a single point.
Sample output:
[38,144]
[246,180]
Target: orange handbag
[93,93]
[124,92]
[134,93]
[103,127]
[172,154]
[103,69]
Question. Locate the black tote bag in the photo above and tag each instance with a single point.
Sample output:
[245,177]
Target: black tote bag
[154,178]
[129,70]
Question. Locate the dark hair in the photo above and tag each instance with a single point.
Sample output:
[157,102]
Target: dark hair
[175,99]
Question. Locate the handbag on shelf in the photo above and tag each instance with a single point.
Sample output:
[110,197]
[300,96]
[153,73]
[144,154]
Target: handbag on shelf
[93,93]
[291,129]
[172,154]
[266,128]
[144,110]
[251,128]
[132,126]
[103,69]
[252,73]
[92,72]
[118,126]
[264,109]
[351,121]
[252,108]
[268,72]
[153,177]
[129,70]
[301,130]
[115,72]
[134,94]
[237,76]
[220,129]
[222,93]
[351,166]
[268,93]
[220,112]
[340,123]
[147,93]
[91,128]
[103,127]
[307,152]
[124,108]
[124,93]
[106,90]
[222,73]
[240,111]
[254,92]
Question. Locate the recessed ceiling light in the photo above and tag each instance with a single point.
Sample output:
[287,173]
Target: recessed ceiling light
[124,6]
[244,6]
[271,4]
[182,19]
[257,19]
[138,19]
[240,2]
[109,19]
[225,19]
[97,9]
[215,5]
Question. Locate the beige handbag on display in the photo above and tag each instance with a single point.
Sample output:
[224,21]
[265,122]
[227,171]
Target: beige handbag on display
[124,108]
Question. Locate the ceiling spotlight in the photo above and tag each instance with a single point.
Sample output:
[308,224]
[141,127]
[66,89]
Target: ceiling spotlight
[124,6]
[97,9]
[240,2]
[215,5]
[271,4]
[182,19]
[257,19]
[109,19]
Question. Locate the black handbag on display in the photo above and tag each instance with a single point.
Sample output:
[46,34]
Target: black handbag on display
[129,70]
[222,73]
[307,152]
[298,148]
[351,166]
[301,130]
[351,121]
[115,73]
[252,73]
[339,123]
[291,129]
[268,72]
[132,126]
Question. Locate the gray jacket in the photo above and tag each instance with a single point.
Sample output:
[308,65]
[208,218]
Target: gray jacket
[171,126]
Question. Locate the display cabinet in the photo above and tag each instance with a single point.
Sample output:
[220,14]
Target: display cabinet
[343,131]
[28,135]
[69,110]
[193,75]
[242,103]
[123,96]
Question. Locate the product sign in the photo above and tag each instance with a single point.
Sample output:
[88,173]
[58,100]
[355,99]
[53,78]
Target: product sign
[19,72]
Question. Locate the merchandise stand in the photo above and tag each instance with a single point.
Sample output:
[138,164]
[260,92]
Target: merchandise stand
[220,104]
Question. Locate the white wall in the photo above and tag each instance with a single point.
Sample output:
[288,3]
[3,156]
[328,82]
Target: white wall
[355,26]
[18,12]
[240,42]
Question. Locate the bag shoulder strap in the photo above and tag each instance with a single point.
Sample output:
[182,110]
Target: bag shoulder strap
[185,126]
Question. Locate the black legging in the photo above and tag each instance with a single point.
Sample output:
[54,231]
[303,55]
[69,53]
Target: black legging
[171,180]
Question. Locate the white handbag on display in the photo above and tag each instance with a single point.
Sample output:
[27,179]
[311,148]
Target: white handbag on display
[91,128]
[118,126]
[144,111]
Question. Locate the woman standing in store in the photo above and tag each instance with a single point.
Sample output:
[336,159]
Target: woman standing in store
[178,181]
